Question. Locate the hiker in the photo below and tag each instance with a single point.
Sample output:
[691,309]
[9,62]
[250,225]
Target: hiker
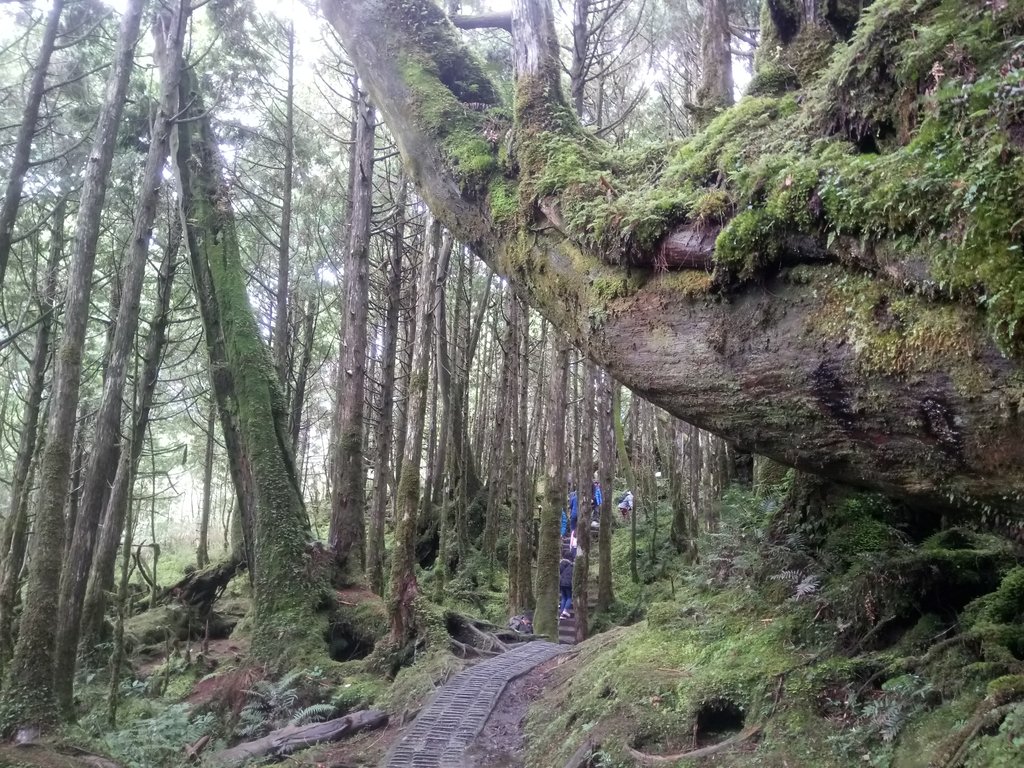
[574,511]
[572,545]
[564,588]
[626,504]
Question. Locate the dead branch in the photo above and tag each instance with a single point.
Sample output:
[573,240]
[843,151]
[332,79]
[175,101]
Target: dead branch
[643,758]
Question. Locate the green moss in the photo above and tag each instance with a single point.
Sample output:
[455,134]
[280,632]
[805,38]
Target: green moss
[773,80]
[504,202]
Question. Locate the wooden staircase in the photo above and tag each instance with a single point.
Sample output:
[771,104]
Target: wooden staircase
[567,626]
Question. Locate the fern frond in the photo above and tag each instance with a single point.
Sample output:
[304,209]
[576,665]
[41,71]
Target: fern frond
[314,713]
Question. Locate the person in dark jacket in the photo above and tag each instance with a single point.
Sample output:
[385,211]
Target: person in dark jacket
[564,588]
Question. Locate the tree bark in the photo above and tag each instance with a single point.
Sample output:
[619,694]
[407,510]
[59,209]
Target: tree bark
[584,485]
[403,589]
[545,618]
[496,480]
[347,536]
[21,156]
[15,531]
[760,368]
[29,698]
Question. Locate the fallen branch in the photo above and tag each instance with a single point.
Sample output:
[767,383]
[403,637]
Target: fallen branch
[291,738]
[644,759]
[581,757]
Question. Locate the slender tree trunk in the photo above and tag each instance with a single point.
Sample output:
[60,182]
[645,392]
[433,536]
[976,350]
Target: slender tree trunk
[103,458]
[15,534]
[29,698]
[309,317]
[627,469]
[605,444]
[499,439]
[521,598]
[385,424]
[347,536]
[281,335]
[403,562]
[716,89]
[545,619]
[21,156]
[286,589]
[584,484]
[101,582]
[203,550]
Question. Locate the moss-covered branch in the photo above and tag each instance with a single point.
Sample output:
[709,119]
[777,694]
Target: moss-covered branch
[861,311]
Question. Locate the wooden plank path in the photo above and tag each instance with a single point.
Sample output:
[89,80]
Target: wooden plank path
[439,736]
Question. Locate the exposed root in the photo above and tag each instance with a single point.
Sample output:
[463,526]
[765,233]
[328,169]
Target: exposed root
[642,758]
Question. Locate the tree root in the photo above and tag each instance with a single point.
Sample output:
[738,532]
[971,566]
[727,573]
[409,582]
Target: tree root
[643,758]
[987,717]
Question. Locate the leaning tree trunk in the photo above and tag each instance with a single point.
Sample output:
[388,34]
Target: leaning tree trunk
[287,586]
[545,618]
[15,535]
[29,698]
[347,536]
[106,441]
[403,588]
[20,157]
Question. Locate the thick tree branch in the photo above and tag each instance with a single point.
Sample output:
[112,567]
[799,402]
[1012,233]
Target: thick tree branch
[811,361]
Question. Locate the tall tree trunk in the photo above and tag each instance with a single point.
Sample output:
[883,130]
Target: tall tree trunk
[521,597]
[715,92]
[101,582]
[584,485]
[29,697]
[281,335]
[15,532]
[606,449]
[385,423]
[103,458]
[347,536]
[309,317]
[20,157]
[403,562]
[496,481]
[545,619]
[626,464]
[286,589]
[203,549]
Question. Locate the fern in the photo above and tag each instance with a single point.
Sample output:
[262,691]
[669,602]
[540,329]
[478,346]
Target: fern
[314,713]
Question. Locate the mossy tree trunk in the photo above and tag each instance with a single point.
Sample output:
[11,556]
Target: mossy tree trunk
[347,535]
[16,527]
[288,585]
[545,618]
[924,406]
[626,466]
[403,589]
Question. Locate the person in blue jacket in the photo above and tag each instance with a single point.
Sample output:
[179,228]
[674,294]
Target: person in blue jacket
[564,588]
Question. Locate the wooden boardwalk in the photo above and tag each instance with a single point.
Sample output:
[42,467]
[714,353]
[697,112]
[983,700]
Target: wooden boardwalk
[439,736]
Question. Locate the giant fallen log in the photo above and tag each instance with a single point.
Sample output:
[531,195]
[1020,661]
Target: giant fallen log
[292,738]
